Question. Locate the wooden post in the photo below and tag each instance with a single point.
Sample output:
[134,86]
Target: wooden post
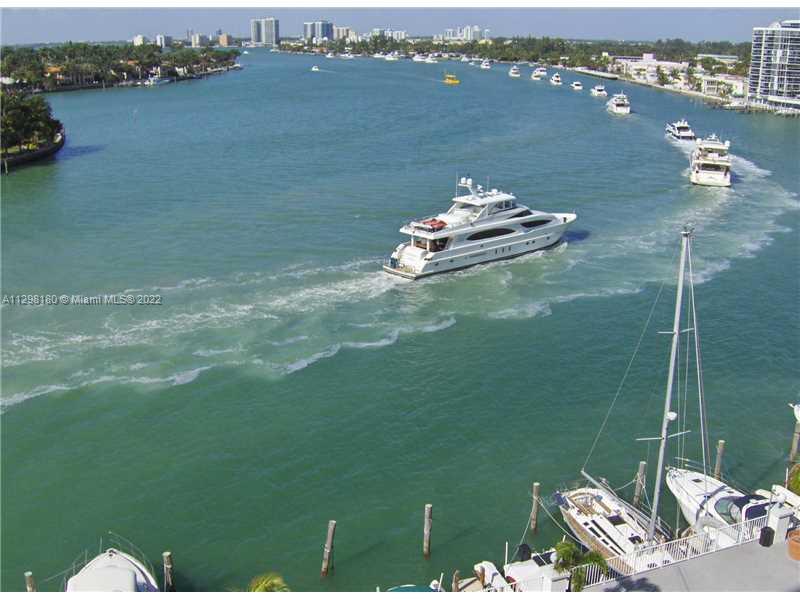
[637,493]
[426,531]
[795,443]
[30,582]
[327,553]
[718,463]
[169,582]
[535,508]
[456,582]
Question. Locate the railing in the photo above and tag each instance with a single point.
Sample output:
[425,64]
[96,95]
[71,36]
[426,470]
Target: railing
[669,553]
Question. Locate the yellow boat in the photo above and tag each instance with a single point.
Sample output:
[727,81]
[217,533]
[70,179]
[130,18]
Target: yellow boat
[450,79]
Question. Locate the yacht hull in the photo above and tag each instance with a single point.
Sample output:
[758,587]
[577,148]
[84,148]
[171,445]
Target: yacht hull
[710,179]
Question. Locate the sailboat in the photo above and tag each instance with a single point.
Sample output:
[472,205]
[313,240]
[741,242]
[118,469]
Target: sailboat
[601,519]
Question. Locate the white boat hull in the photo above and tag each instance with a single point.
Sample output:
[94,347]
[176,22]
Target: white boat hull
[619,110]
[713,179]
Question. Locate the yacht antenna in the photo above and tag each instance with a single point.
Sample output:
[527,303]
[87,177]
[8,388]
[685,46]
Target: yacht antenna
[668,414]
[699,365]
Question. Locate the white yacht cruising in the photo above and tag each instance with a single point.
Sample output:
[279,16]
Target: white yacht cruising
[538,73]
[315,69]
[680,131]
[419,58]
[431,60]
[577,86]
[513,71]
[710,163]
[394,56]
[481,226]
[619,105]
[555,79]
[330,55]
[599,90]
[486,65]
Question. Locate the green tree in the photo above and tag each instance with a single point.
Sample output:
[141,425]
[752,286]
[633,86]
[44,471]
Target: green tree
[661,76]
[268,582]
[570,558]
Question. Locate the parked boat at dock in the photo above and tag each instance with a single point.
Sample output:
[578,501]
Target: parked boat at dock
[480,226]
[113,570]
[710,163]
[538,73]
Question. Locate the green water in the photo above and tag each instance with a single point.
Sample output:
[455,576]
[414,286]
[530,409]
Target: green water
[285,380]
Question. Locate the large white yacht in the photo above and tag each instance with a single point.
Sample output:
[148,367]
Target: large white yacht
[555,79]
[538,73]
[481,226]
[577,86]
[599,90]
[680,131]
[486,65]
[619,105]
[113,571]
[513,71]
[710,163]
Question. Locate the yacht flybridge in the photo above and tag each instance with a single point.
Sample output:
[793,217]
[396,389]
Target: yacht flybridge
[710,163]
[555,79]
[619,104]
[481,226]
[680,131]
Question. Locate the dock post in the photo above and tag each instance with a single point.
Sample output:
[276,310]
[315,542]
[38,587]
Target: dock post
[795,443]
[327,553]
[169,582]
[426,531]
[456,582]
[718,462]
[535,508]
[30,582]
[640,474]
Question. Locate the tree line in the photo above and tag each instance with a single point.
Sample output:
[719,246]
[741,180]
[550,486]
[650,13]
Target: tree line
[26,122]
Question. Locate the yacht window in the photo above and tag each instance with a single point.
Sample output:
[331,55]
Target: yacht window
[537,223]
[755,511]
[489,233]
[524,213]
[728,510]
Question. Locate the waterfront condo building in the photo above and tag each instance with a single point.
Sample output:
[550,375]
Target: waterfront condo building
[163,41]
[265,32]
[199,40]
[225,40]
[139,40]
[318,30]
[774,80]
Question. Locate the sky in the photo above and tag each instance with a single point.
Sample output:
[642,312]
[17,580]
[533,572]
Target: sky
[23,26]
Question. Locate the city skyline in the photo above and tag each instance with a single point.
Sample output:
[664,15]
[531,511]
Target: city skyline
[30,26]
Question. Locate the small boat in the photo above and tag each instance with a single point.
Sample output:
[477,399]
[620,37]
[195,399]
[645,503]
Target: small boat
[710,163]
[347,56]
[451,79]
[577,86]
[379,55]
[315,69]
[486,65]
[330,55]
[245,52]
[113,571]
[156,81]
[619,105]
[464,58]
[555,79]
[513,71]
[431,60]
[418,58]
[538,73]
[599,90]
[680,131]
[392,57]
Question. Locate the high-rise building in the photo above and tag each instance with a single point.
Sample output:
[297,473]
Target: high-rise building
[265,32]
[163,41]
[199,40]
[308,30]
[225,40]
[139,40]
[323,30]
[255,31]
[341,33]
[774,80]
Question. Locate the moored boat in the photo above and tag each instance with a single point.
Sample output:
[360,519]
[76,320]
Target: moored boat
[486,65]
[599,90]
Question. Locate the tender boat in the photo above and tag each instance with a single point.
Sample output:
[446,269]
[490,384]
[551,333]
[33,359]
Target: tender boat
[393,57]
[599,90]
[314,69]
[619,104]
[555,79]
[680,131]
[480,226]
[538,73]
[577,86]
[451,79]
[486,64]
[513,71]
[710,163]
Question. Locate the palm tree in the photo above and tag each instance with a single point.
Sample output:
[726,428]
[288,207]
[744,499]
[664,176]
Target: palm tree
[268,582]
[570,558]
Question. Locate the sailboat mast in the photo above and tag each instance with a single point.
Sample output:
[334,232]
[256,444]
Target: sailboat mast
[699,365]
[668,415]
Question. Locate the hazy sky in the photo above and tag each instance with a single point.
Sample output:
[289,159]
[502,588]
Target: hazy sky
[55,25]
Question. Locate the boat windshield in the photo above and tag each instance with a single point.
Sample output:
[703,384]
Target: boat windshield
[728,510]
[461,208]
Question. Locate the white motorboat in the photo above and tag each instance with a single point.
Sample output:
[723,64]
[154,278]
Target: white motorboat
[347,56]
[314,69]
[480,226]
[156,81]
[380,55]
[486,65]
[555,79]
[420,58]
[464,58]
[245,52]
[599,90]
[538,73]
[619,104]
[394,56]
[330,55]
[114,571]
[710,163]
[680,131]
[513,71]
[577,86]
[431,60]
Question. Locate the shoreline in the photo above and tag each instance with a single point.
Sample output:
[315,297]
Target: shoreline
[24,158]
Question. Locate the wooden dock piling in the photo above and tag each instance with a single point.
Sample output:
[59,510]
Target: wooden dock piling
[30,582]
[327,553]
[169,582]
[456,581]
[640,475]
[426,531]
[795,443]
[535,507]
[718,462]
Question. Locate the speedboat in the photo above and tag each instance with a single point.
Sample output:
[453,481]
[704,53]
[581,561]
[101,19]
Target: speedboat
[481,226]
[451,79]
[577,86]
[430,60]
[245,52]
[379,55]
[314,69]
[347,56]
[555,79]
[599,90]
[710,163]
[330,55]
[418,58]
[392,57]
[464,58]
[486,65]
[619,104]
[513,71]
[538,73]
[680,131]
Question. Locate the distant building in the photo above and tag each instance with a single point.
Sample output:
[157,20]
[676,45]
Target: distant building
[308,30]
[265,32]
[139,40]
[341,33]
[199,40]
[163,41]
[774,80]
[323,30]
[255,31]
[723,85]
[728,59]
[225,40]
